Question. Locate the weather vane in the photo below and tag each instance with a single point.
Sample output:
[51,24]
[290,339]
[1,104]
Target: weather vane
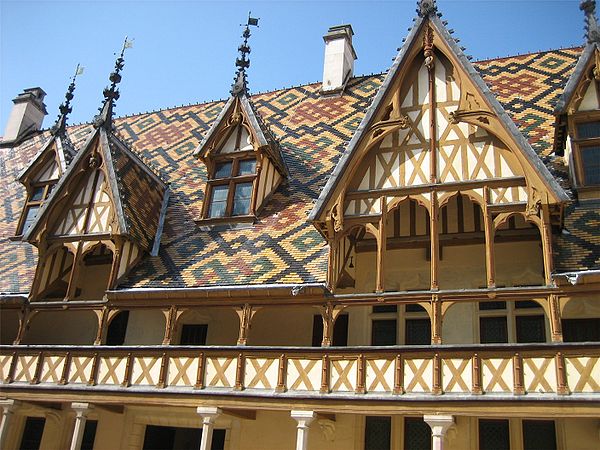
[240,83]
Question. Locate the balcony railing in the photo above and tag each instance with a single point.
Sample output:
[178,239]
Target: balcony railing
[499,371]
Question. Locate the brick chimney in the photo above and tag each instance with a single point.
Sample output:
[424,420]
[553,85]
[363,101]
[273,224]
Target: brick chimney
[26,116]
[339,59]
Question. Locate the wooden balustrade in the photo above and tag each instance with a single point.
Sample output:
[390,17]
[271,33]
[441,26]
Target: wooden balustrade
[498,370]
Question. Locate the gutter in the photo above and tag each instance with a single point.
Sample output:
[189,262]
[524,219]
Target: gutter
[579,277]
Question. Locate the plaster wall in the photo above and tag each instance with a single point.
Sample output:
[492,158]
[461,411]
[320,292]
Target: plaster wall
[62,327]
[9,326]
[145,327]
[223,325]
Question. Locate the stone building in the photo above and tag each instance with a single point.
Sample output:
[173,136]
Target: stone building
[409,260]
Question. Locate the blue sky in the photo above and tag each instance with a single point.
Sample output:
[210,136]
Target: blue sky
[184,51]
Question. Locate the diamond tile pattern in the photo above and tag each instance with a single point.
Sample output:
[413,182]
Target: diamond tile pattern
[281,247]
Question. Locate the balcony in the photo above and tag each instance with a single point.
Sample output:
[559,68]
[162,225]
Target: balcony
[492,372]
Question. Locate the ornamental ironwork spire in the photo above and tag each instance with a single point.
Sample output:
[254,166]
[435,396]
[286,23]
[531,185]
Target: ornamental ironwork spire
[65,108]
[592,31]
[426,8]
[111,93]
[240,82]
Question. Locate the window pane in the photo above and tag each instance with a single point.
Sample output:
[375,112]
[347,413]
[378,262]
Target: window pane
[378,433]
[383,332]
[384,309]
[591,164]
[526,304]
[418,332]
[417,434]
[493,330]
[539,435]
[193,334]
[30,215]
[223,170]
[486,306]
[218,203]
[37,194]
[581,330]
[32,433]
[530,329]
[588,130]
[89,435]
[494,435]
[415,308]
[247,167]
[241,201]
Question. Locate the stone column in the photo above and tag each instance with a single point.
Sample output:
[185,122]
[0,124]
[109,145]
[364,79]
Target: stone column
[304,418]
[8,408]
[209,415]
[81,412]
[439,425]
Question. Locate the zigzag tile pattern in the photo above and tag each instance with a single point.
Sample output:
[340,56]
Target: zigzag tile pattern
[578,246]
[141,197]
[281,247]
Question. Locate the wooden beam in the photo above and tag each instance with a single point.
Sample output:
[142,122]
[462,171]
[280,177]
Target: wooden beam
[546,232]
[488,222]
[426,188]
[381,247]
[435,247]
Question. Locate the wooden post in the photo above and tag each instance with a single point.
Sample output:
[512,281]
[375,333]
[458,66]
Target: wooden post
[116,262]
[435,244]
[519,388]
[325,369]
[329,314]
[547,244]
[74,273]
[170,320]
[38,369]
[381,247]
[239,373]
[489,241]
[94,371]
[555,318]
[25,316]
[102,321]
[200,374]
[281,374]
[476,375]
[399,375]
[164,368]
[561,375]
[437,375]
[436,320]
[64,378]
[128,371]
[360,374]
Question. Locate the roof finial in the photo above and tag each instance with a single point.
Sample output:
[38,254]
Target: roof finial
[592,32]
[240,84]
[426,8]
[59,127]
[111,93]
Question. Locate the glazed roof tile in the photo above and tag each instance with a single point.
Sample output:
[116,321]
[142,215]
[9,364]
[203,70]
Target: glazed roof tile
[312,131]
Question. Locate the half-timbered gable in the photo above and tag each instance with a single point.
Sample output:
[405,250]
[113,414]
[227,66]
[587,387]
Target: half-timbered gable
[436,163]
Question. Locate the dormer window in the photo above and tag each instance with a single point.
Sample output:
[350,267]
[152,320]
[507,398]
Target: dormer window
[38,191]
[231,188]
[587,151]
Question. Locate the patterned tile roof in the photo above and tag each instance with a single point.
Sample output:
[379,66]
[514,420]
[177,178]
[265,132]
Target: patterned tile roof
[281,247]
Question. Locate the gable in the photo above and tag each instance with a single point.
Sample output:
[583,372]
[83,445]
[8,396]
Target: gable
[474,139]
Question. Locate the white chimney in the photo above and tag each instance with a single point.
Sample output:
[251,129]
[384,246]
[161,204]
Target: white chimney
[339,59]
[26,116]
